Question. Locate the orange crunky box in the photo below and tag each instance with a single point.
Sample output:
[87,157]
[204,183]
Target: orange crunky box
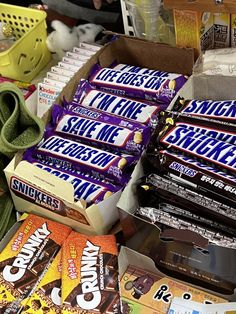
[90,275]
[47,297]
[25,259]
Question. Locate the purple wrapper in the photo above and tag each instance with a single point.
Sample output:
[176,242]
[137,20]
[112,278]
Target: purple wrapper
[85,187]
[101,129]
[146,71]
[134,85]
[68,154]
[142,112]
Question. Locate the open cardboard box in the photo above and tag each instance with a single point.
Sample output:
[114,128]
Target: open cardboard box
[180,253]
[34,190]
[129,257]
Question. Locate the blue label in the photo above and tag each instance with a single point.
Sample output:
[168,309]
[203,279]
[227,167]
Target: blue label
[146,82]
[221,136]
[120,106]
[201,145]
[219,109]
[78,152]
[90,129]
[34,194]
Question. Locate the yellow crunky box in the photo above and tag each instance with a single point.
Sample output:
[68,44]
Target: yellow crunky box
[26,257]
[90,275]
[156,292]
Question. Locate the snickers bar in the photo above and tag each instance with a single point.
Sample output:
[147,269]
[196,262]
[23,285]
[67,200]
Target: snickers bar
[154,189]
[69,154]
[146,71]
[224,110]
[28,248]
[167,217]
[204,147]
[100,129]
[135,85]
[88,285]
[85,187]
[209,180]
[127,108]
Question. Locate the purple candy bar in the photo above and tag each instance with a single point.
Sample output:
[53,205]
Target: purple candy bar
[85,187]
[128,108]
[145,71]
[102,129]
[135,85]
[68,154]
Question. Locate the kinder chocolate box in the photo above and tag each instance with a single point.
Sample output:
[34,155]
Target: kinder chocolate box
[25,258]
[99,218]
[90,275]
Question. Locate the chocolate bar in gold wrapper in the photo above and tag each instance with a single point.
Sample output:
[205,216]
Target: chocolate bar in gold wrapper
[47,297]
[25,259]
[90,275]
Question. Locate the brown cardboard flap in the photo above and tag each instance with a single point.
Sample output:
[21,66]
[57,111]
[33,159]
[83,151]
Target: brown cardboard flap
[148,54]
[216,6]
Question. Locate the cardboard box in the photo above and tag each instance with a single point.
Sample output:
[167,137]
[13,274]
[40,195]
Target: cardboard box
[221,30]
[55,195]
[183,254]
[150,288]
[194,29]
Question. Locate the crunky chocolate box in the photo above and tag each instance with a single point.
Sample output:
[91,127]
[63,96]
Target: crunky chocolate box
[26,257]
[90,275]
[47,297]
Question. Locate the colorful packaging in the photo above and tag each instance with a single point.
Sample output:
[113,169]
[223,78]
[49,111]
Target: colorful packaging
[211,181]
[201,146]
[128,108]
[221,30]
[90,281]
[134,85]
[85,186]
[47,95]
[46,299]
[194,29]
[224,110]
[156,291]
[26,257]
[100,129]
[145,71]
[75,156]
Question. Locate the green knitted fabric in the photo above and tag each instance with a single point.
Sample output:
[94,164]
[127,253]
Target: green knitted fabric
[19,130]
